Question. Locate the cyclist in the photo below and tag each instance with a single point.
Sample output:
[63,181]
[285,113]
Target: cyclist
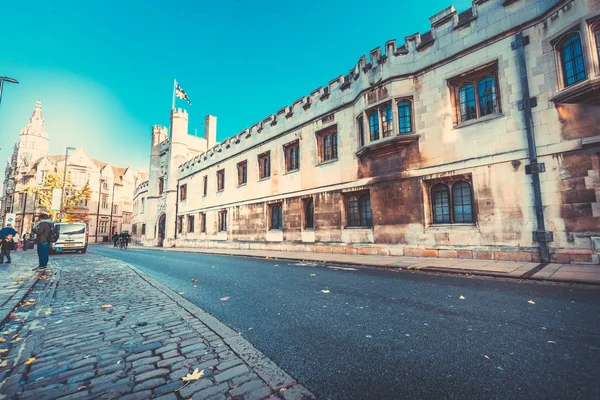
[124,239]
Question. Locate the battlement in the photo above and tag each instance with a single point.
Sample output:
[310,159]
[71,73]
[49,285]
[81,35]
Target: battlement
[179,112]
[450,35]
[142,187]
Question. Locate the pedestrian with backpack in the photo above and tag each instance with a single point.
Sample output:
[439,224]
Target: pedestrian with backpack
[7,245]
[44,231]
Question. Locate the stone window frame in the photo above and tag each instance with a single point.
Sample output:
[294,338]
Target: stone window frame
[242,170]
[593,26]
[180,224]
[221,180]
[305,214]
[449,183]
[276,220]
[190,223]
[360,122]
[202,222]
[406,100]
[104,202]
[291,152]
[222,221]
[205,186]
[364,216]
[558,45]
[143,229]
[327,138]
[161,185]
[264,165]
[474,77]
[183,192]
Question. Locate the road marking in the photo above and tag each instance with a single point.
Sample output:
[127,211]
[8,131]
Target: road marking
[344,268]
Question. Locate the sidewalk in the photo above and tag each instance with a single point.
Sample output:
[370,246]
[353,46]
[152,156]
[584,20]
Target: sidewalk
[97,328]
[569,273]
[16,279]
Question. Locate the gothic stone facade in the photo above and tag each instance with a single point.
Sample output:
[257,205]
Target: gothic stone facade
[111,187]
[424,149]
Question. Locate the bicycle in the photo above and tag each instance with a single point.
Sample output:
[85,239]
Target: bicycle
[123,242]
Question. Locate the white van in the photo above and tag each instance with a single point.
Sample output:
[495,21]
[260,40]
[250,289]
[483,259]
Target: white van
[72,236]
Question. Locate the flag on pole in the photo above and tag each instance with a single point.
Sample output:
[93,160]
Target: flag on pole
[179,92]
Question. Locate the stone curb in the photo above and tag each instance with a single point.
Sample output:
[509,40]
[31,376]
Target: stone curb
[18,297]
[452,271]
[270,372]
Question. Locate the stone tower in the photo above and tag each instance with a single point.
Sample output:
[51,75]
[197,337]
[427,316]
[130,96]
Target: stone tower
[33,142]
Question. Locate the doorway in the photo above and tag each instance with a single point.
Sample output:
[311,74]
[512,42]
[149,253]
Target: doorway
[161,230]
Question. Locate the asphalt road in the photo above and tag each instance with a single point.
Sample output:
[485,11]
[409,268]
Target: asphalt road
[397,335]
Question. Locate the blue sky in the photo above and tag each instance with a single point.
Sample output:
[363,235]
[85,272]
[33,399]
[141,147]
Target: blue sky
[104,70]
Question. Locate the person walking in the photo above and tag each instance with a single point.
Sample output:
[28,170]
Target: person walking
[43,237]
[115,239]
[25,241]
[8,245]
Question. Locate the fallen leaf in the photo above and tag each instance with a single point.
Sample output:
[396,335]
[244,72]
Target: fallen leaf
[6,332]
[225,298]
[276,265]
[551,341]
[193,376]
[18,339]
[28,362]
[2,340]
[195,286]
[15,335]
[325,291]
[119,362]
[107,306]
[531,302]
[282,389]
[194,280]
[4,363]
[181,292]
[313,274]
[85,357]
[3,351]
[81,388]
[462,297]
[487,357]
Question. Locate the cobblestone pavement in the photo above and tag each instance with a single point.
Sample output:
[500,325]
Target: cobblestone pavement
[96,328]
[16,279]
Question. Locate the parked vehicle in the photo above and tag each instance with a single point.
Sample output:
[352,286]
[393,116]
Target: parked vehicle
[72,236]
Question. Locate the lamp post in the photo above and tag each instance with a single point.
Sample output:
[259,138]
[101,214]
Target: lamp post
[62,195]
[5,79]
[98,212]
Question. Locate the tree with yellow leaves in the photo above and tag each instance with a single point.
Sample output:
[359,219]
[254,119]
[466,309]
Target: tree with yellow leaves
[73,199]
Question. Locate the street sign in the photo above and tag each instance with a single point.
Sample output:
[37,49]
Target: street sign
[10,218]
[60,215]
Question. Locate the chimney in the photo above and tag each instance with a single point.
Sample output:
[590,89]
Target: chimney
[210,130]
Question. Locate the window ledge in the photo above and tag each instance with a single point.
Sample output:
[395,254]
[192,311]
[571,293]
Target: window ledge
[266,178]
[331,161]
[364,227]
[585,92]
[242,184]
[451,227]
[220,191]
[291,171]
[388,145]
[475,121]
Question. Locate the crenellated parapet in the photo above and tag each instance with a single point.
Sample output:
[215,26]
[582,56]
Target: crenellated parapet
[142,187]
[450,35]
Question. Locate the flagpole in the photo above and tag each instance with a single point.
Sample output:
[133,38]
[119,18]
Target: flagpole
[174,86]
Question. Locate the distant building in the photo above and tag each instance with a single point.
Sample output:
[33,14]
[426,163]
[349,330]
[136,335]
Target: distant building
[478,139]
[31,163]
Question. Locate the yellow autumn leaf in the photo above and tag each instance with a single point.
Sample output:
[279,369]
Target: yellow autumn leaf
[313,274]
[193,376]
[225,298]
[2,340]
[6,332]
[28,362]
[107,306]
[194,280]
[531,302]
[181,292]
[4,363]
[462,297]
[3,351]
[325,291]
[18,339]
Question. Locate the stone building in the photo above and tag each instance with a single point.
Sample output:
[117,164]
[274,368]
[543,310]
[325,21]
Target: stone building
[478,139]
[111,187]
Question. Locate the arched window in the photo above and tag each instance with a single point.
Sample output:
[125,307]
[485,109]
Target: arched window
[487,96]
[361,131]
[387,121]
[405,117]
[309,214]
[462,204]
[466,101]
[374,125]
[440,204]
[571,59]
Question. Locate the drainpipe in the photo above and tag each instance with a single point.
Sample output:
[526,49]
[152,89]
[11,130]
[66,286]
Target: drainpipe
[534,168]
[23,215]
[177,209]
